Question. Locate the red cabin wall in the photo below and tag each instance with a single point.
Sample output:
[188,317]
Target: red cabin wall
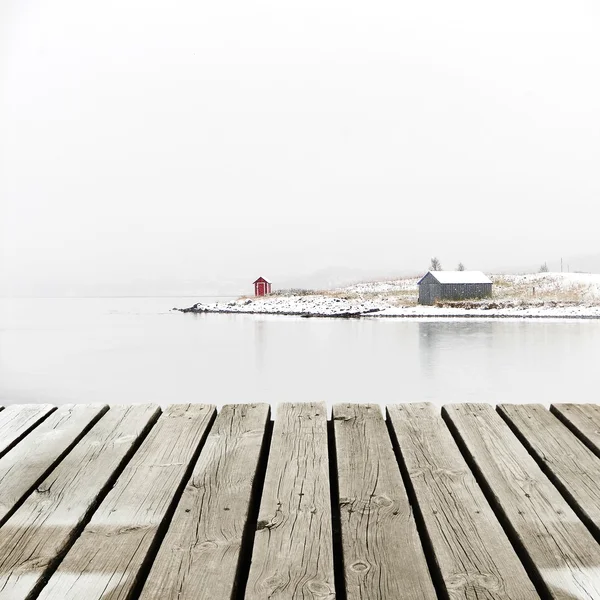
[262,288]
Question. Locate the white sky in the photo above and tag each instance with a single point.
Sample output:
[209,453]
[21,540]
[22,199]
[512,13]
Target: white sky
[194,140]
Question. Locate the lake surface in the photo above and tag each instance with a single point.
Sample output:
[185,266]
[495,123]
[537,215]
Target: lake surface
[123,350]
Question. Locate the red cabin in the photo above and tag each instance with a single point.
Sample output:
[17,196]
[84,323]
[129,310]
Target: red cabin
[262,287]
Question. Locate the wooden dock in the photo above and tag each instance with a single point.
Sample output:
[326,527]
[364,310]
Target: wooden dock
[469,502]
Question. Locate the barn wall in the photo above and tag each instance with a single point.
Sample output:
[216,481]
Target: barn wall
[463,291]
[429,293]
[428,289]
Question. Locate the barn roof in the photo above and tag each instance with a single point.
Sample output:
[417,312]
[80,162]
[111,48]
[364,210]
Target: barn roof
[458,277]
[262,279]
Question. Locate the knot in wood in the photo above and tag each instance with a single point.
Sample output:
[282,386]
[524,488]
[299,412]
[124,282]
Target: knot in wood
[321,590]
[475,581]
[360,566]
[382,500]
[489,581]
[207,545]
[273,582]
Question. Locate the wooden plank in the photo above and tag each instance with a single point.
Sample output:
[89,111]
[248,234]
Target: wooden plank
[199,557]
[382,552]
[583,420]
[474,557]
[293,549]
[17,420]
[106,560]
[30,461]
[561,553]
[37,535]
[570,465]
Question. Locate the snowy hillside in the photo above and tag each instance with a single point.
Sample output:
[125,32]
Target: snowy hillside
[530,295]
[577,286]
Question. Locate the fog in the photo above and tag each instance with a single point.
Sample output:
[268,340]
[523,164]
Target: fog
[157,147]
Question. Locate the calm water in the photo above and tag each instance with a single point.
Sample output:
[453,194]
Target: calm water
[136,350]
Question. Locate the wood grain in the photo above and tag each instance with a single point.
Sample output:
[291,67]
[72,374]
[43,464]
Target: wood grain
[34,539]
[572,467]
[560,551]
[199,557]
[473,554]
[293,549]
[94,503]
[106,560]
[32,459]
[382,552]
[17,420]
[583,420]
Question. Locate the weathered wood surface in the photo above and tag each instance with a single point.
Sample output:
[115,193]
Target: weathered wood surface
[34,539]
[33,458]
[474,557]
[583,420]
[292,557]
[105,561]
[199,557]
[573,468]
[382,552]
[126,503]
[17,420]
[560,550]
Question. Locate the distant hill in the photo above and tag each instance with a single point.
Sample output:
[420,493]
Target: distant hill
[334,277]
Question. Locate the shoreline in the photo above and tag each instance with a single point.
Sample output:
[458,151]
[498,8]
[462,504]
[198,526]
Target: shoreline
[530,296]
[400,315]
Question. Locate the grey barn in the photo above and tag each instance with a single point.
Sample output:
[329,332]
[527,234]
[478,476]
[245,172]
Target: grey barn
[453,285]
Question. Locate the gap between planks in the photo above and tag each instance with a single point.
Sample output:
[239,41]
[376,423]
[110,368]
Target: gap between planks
[559,552]
[113,554]
[248,522]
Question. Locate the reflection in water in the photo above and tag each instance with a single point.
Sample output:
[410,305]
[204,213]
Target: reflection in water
[504,361]
[437,337]
[136,350]
[451,355]
[261,343]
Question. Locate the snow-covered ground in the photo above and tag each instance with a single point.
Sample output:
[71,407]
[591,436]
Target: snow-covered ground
[313,305]
[378,287]
[580,286]
[577,287]
[554,295]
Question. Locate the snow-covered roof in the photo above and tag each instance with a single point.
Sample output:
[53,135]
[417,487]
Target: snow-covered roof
[459,277]
[262,279]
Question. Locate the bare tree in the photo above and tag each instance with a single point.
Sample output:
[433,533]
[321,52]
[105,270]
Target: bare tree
[460,267]
[435,264]
[544,268]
